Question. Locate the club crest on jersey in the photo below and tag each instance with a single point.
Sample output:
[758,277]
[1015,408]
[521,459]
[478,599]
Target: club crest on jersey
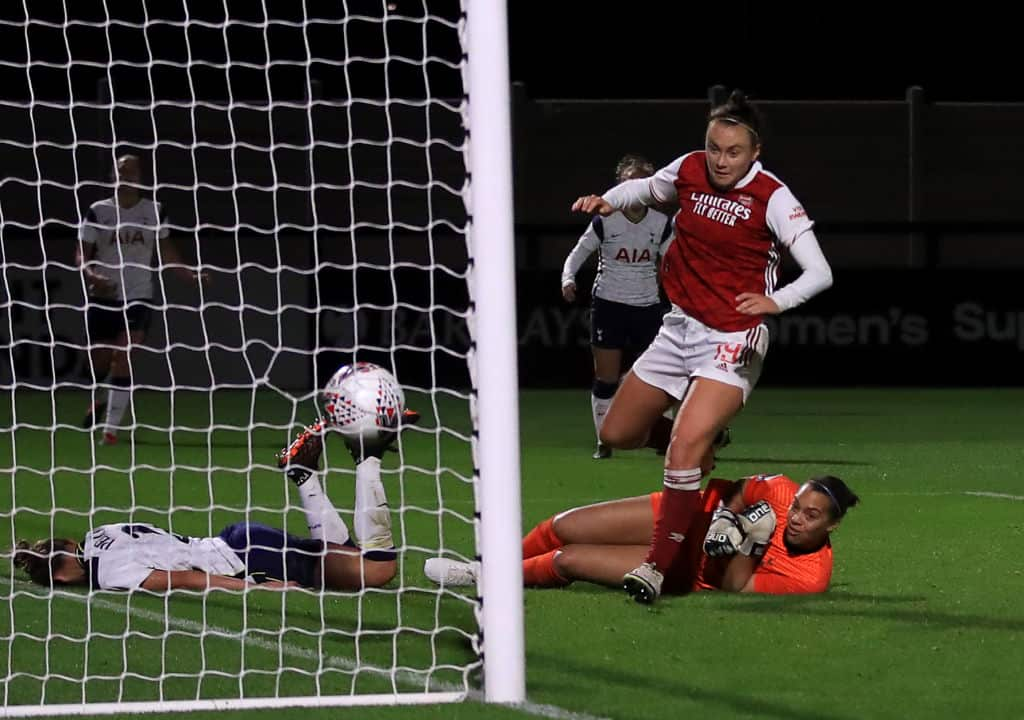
[623,255]
[745,200]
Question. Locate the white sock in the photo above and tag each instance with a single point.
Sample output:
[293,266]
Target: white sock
[373,516]
[117,402]
[599,406]
[322,517]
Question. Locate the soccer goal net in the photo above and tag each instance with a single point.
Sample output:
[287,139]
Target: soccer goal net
[206,209]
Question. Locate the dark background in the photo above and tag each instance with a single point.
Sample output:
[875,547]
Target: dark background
[783,51]
[915,194]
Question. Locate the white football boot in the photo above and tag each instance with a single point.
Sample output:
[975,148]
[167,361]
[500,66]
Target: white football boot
[643,583]
[451,572]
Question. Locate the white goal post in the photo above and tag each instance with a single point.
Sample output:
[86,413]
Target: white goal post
[329,183]
[493,247]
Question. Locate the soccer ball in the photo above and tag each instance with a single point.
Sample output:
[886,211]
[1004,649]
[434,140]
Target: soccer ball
[363,400]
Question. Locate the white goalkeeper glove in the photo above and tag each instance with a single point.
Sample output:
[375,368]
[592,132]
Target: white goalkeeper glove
[725,536]
[747,532]
[757,522]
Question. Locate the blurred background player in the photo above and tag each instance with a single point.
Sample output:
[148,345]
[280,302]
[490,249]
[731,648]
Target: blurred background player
[131,556]
[720,274]
[785,552]
[117,241]
[626,307]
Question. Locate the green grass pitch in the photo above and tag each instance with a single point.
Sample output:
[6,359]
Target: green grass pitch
[923,619]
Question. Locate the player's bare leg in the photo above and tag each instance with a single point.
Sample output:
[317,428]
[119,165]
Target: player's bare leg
[633,412]
[607,366]
[707,409]
[372,512]
[629,521]
[347,568]
[301,464]
[600,564]
[119,395]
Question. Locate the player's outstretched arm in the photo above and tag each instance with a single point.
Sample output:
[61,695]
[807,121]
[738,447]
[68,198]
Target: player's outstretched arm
[166,580]
[592,205]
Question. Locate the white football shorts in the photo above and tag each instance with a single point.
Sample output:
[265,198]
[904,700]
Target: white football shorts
[686,348]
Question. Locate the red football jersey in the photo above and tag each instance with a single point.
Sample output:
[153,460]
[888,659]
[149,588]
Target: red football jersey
[725,243]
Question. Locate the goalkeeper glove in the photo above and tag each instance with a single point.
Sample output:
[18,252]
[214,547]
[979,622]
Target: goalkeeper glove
[757,523]
[725,535]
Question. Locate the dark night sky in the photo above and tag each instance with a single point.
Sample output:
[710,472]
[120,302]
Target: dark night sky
[668,49]
[862,50]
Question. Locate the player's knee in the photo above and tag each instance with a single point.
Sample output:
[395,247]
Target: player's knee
[619,435]
[561,526]
[565,562]
[687,449]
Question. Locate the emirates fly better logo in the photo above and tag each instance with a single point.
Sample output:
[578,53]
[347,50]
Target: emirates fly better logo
[719,209]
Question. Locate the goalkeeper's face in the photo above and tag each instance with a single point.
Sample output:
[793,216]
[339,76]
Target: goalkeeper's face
[809,520]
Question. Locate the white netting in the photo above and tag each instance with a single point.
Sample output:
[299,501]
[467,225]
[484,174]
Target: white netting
[308,158]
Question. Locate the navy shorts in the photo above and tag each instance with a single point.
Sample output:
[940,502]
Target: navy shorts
[617,326]
[273,554]
[108,321]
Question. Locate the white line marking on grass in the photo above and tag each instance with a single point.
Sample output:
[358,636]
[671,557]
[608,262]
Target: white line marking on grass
[939,493]
[1001,496]
[405,677]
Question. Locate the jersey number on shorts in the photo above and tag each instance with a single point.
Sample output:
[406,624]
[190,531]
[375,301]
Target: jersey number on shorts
[729,352]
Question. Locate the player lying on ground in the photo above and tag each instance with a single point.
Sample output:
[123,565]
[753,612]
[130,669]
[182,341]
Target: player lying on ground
[130,556]
[761,534]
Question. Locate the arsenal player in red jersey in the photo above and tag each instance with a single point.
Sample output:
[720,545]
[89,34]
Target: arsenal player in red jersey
[734,220]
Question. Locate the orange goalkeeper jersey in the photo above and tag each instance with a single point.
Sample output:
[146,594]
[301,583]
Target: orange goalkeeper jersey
[780,571]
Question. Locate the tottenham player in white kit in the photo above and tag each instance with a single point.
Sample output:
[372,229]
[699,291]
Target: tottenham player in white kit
[117,241]
[626,307]
[131,556]
[734,219]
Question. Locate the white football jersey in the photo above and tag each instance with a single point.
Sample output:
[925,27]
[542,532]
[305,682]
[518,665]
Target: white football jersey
[125,239]
[627,266]
[122,555]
